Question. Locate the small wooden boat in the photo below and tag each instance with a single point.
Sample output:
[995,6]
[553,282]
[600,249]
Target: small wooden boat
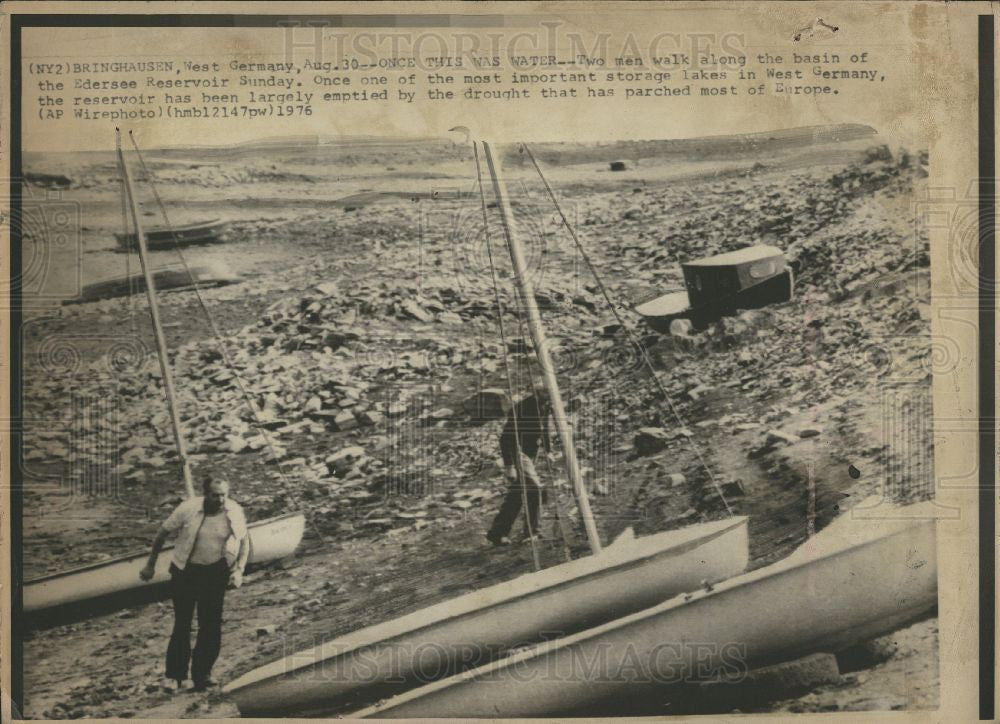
[114,584]
[173,277]
[375,662]
[748,278]
[855,580]
[160,237]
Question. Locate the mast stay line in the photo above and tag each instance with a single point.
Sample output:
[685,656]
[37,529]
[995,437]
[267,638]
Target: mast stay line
[161,342]
[541,348]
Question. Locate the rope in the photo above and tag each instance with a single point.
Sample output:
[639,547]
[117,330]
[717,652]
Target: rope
[557,499]
[506,364]
[548,466]
[556,505]
[533,385]
[128,246]
[632,340]
[456,230]
[219,342]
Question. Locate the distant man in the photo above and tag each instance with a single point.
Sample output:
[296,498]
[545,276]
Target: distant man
[527,425]
[211,551]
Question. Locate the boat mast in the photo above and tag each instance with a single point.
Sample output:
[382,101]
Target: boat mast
[542,349]
[161,343]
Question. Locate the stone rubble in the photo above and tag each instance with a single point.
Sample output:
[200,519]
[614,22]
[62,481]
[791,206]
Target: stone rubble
[373,399]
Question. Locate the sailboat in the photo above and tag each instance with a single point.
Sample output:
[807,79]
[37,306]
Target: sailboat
[367,665]
[88,590]
[853,581]
[871,571]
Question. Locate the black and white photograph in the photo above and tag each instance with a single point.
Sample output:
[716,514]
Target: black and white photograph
[326,420]
[490,425]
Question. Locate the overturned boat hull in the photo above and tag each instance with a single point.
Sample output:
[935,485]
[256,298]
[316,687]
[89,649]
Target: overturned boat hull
[204,232]
[214,274]
[114,584]
[824,597]
[481,626]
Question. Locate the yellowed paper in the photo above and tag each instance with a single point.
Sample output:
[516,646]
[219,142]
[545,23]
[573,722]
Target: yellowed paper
[312,182]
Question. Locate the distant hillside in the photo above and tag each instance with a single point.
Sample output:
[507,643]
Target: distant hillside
[388,152]
[353,150]
[696,149]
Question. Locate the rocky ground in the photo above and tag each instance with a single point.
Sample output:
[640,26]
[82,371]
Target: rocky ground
[354,374]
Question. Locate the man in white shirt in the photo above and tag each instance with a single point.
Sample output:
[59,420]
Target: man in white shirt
[211,551]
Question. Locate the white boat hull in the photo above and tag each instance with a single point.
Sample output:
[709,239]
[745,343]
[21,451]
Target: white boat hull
[809,602]
[112,584]
[377,661]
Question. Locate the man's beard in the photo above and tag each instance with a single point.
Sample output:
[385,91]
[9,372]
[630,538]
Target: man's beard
[212,508]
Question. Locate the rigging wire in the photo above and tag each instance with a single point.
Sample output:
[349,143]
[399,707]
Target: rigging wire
[532,381]
[632,340]
[456,229]
[128,242]
[506,364]
[219,342]
[542,221]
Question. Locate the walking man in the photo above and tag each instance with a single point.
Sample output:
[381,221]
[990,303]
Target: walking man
[210,553]
[527,426]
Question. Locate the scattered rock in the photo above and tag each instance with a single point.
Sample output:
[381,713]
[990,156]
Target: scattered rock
[487,404]
[344,421]
[696,393]
[681,328]
[733,489]
[650,440]
[675,480]
[349,454]
[867,654]
[414,310]
[371,417]
[776,437]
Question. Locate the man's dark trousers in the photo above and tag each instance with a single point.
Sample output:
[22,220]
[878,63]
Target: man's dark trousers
[511,506]
[203,587]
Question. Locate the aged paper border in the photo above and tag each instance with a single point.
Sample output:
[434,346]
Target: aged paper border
[946,35]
